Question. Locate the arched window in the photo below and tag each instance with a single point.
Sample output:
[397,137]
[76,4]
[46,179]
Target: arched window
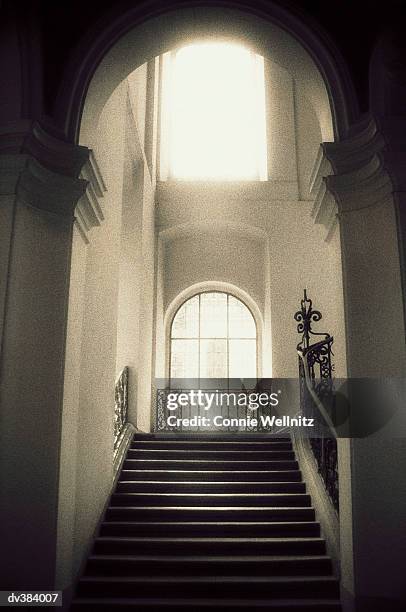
[213,335]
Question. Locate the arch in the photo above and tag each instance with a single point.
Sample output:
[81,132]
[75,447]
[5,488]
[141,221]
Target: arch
[215,286]
[123,42]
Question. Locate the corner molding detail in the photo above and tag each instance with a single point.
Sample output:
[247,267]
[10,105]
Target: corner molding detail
[324,211]
[41,170]
[351,175]
[89,210]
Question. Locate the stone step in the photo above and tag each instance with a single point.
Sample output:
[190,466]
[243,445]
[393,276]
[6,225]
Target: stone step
[150,486]
[211,475]
[209,464]
[208,499]
[218,529]
[212,437]
[219,546]
[116,565]
[202,605]
[218,455]
[211,445]
[218,586]
[183,513]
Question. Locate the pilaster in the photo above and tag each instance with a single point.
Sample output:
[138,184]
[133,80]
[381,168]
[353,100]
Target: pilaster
[39,189]
[365,178]
[356,183]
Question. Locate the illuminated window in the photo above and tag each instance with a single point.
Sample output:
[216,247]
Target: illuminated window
[213,335]
[213,114]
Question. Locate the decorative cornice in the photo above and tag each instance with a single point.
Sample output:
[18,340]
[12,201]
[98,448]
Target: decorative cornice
[89,210]
[31,183]
[324,211]
[51,174]
[366,186]
[92,173]
[30,138]
[40,169]
[363,171]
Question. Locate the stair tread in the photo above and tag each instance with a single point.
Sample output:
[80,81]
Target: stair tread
[210,558]
[311,602]
[213,578]
[213,508]
[206,471]
[266,475]
[177,441]
[210,453]
[164,494]
[192,540]
[222,523]
[250,461]
[209,482]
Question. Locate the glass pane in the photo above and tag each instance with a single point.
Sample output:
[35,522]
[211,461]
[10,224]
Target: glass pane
[213,315]
[213,359]
[185,359]
[242,358]
[186,321]
[241,323]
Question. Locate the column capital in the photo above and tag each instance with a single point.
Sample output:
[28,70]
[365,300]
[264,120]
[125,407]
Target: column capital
[39,169]
[54,153]
[362,171]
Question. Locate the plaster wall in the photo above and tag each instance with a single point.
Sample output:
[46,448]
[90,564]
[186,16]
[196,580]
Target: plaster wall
[131,268]
[90,358]
[137,93]
[214,255]
[70,414]
[95,448]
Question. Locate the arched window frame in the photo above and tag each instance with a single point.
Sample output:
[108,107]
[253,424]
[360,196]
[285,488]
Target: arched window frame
[212,287]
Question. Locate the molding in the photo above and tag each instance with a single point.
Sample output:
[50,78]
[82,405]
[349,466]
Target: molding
[38,187]
[364,141]
[364,187]
[363,171]
[201,192]
[40,169]
[92,173]
[30,138]
[89,210]
[324,210]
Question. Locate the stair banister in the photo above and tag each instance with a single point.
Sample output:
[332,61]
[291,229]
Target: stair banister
[315,378]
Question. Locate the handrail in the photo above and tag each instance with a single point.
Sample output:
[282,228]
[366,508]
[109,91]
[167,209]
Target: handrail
[309,382]
[312,356]
[120,406]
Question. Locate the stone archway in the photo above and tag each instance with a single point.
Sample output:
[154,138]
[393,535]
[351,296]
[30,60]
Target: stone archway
[129,40]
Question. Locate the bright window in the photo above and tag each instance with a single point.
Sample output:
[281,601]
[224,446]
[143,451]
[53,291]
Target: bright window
[213,114]
[213,335]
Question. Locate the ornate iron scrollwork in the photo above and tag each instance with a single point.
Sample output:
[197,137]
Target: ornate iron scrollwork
[316,359]
[120,406]
[305,317]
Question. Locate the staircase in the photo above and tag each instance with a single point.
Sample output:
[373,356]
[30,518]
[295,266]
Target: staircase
[209,522]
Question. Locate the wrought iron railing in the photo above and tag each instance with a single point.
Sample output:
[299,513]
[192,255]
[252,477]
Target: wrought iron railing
[316,394]
[248,420]
[120,406]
